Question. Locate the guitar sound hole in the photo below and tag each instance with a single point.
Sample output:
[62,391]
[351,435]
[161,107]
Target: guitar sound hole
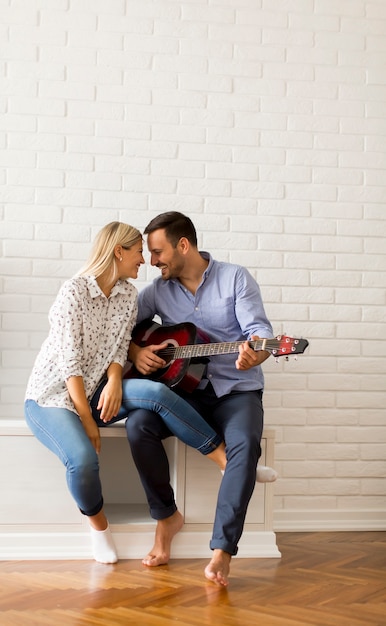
[167,353]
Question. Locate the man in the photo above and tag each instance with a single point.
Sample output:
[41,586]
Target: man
[223,300]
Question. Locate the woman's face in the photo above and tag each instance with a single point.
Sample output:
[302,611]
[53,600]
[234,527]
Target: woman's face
[132,260]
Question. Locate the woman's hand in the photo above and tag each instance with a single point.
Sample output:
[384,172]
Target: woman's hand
[92,432]
[75,388]
[110,399]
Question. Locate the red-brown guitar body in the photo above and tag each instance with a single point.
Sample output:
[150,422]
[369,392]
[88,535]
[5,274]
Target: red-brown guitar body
[185,372]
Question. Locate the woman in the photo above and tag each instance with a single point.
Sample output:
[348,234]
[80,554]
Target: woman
[91,322]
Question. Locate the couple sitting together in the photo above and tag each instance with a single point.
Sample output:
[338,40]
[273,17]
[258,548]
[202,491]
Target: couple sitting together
[76,384]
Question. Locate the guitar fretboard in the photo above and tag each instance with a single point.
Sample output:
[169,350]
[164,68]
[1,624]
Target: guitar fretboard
[210,349]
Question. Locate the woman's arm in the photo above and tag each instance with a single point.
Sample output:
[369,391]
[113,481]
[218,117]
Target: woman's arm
[77,393]
[111,397]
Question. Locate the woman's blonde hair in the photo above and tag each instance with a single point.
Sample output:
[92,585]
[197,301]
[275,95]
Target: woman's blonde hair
[102,255]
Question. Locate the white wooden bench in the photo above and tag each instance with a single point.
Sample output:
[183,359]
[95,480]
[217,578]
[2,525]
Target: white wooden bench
[39,519]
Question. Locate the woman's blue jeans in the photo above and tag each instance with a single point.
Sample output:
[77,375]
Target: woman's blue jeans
[61,431]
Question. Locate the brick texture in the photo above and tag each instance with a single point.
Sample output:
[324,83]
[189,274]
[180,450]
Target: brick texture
[266,124]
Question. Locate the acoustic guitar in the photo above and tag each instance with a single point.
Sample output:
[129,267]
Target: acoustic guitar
[189,349]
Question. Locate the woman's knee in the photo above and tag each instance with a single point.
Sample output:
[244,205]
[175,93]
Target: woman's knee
[84,461]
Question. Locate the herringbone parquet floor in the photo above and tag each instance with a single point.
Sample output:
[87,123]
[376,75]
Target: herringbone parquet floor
[322,579]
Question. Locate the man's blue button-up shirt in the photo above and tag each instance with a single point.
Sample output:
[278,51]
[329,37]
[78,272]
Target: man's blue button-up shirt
[227,306]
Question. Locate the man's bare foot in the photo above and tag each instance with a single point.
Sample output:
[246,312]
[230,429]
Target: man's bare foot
[165,531]
[218,569]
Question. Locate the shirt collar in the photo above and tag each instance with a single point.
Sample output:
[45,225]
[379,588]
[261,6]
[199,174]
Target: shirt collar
[93,287]
[121,286]
[208,257]
[95,291]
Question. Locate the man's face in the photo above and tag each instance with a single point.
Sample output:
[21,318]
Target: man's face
[168,259]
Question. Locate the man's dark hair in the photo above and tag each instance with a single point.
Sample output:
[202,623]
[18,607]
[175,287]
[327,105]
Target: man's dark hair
[176,225]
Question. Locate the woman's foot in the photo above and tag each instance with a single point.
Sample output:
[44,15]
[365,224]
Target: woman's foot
[103,545]
[264,474]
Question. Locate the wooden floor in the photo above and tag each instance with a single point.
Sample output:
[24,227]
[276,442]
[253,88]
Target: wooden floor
[322,579]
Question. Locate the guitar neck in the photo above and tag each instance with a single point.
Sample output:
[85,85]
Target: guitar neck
[231,347]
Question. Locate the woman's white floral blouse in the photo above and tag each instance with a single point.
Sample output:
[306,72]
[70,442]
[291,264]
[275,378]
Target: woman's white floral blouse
[88,332]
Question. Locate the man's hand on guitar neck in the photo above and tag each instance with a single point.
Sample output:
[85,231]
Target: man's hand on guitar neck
[145,359]
[250,358]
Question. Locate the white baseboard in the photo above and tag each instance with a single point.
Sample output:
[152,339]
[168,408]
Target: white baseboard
[44,546]
[331,520]
[130,545]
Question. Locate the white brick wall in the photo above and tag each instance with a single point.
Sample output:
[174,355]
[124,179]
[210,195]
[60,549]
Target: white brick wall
[265,122]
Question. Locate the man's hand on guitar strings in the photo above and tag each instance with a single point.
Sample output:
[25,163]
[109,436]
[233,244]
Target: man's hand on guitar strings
[147,361]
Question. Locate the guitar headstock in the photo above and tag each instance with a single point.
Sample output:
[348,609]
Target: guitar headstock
[284,346]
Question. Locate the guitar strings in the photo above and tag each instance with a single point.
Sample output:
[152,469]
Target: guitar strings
[274,345]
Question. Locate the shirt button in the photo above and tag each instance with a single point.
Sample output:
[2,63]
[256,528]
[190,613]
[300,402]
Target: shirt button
[196,308]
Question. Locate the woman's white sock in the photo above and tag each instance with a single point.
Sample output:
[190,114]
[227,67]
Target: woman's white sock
[264,474]
[103,545]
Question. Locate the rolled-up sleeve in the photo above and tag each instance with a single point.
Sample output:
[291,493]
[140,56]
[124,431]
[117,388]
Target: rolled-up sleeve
[67,328]
[249,306]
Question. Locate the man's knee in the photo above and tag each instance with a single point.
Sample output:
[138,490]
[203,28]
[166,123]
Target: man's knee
[247,449]
[141,424]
